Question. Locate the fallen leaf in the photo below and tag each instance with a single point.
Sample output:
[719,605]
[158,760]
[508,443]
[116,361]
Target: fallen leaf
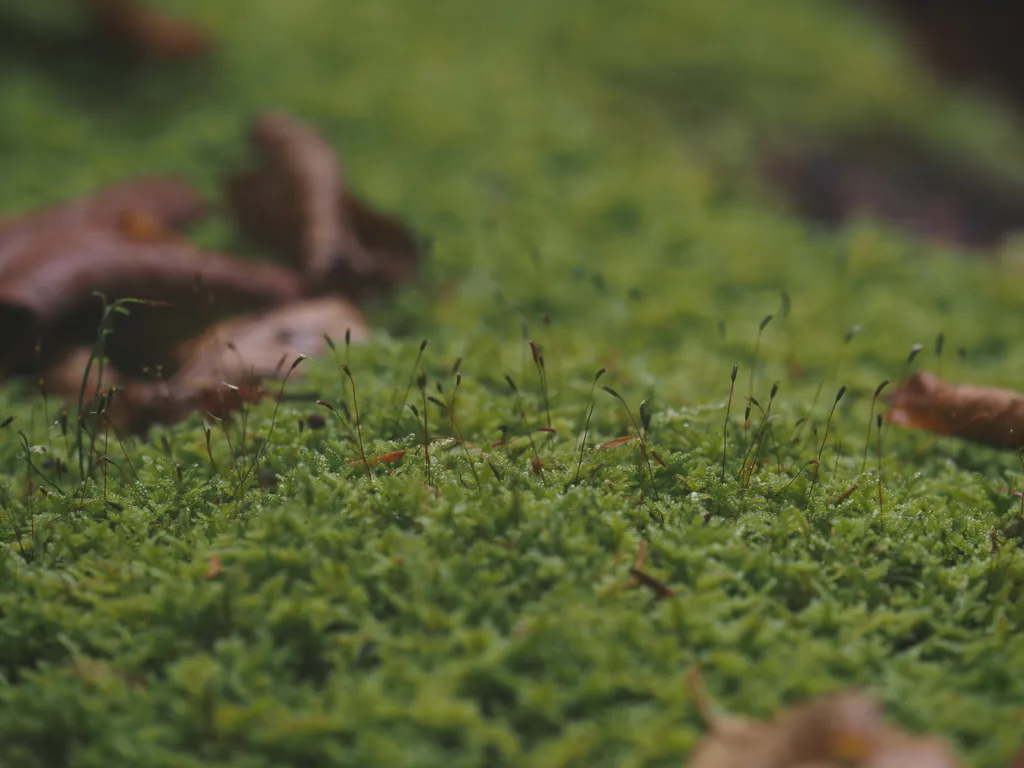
[148,30]
[899,750]
[134,225]
[394,247]
[536,465]
[617,442]
[387,458]
[166,203]
[191,330]
[985,415]
[252,347]
[65,375]
[838,730]
[296,202]
[214,567]
[220,371]
[48,292]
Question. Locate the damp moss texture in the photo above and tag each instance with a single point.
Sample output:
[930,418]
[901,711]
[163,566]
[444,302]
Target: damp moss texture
[587,171]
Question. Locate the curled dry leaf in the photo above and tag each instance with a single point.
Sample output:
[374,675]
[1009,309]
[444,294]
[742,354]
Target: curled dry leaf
[166,203]
[48,292]
[214,567]
[303,167]
[615,443]
[221,370]
[387,458]
[900,750]
[839,730]
[296,202]
[202,329]
[252,347]
[147,29]
[984,415]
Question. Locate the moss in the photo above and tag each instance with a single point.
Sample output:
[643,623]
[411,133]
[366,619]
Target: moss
[588,176]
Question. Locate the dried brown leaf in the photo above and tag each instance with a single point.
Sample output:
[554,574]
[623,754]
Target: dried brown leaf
[214,567]
[900,750]
[616,443]
[841,725]
[47,291]
[303,166]
[168,204]
[387,458]
[149,30]
[251,347]
[296,201]
[393,246]
[985,415]
[64,377]
[223,370]
[839,730]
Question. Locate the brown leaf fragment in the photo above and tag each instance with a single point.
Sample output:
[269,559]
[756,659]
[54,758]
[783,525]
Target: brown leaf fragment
[214,567]
[222,370]
[896,749]
[251,347]
[616,443]
[48,291]
[387,458]
[168,204]
[296,201]
[134,225]
[149,30]
[394,247]
[66,374]
[985,415]
[119,396]
[839,730]
[304,167]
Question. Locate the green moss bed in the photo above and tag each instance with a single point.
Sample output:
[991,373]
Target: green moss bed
[587,171]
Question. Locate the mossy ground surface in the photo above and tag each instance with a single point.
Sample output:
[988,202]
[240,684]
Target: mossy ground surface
[586,171]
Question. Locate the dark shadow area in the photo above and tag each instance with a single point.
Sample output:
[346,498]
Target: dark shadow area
[976,43]
[100,74]
[891,179]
